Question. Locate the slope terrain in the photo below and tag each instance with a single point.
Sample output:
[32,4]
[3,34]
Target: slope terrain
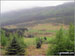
[54,14]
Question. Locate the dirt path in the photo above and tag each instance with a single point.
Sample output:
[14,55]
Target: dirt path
[32,50]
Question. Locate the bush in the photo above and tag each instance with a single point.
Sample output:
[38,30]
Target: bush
[3,38]
[38,42]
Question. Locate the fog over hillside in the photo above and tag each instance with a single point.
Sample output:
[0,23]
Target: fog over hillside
[64,12]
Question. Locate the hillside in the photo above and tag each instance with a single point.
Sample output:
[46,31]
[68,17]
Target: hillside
[56,14]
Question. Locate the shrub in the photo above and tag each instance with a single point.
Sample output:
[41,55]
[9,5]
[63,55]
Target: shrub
[3,39]
[38,42]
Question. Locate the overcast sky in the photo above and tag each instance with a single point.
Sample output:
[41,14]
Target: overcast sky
[7,6]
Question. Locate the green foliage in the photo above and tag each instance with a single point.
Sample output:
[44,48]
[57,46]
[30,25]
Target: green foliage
[58,46]
[20,40]
[71,32]
[64,41]
[14,44]
[70,39]
[52,50]
[38,42]
[59,36]
[30,41]
[69,46]
[14,48]
[3,38]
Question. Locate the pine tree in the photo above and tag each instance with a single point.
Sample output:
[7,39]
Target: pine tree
[63,42]
[15,49]
[59,43]
[70,47]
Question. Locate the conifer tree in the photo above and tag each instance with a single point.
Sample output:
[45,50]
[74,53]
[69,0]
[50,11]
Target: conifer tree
[70,47]
[64,41]
[15,49]
[71,32]
[59,44]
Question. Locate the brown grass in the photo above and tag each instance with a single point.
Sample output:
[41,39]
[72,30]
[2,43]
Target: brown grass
[32,50]
[49,26]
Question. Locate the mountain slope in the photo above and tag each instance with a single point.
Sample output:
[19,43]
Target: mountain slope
[64,12]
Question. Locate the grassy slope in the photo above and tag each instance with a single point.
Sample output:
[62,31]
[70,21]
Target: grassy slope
[41,30]
[32,50]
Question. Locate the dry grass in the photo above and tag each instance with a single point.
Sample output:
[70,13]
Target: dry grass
[10,26]
[32,50]
[49,26]
[2,52]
